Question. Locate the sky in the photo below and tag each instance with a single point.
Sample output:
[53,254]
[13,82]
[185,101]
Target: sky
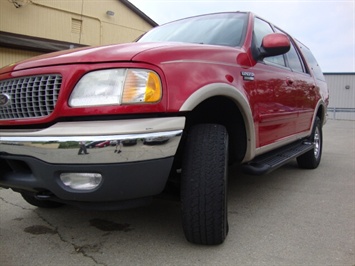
[326,27]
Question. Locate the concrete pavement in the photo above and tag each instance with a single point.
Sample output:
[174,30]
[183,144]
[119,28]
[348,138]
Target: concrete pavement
[288,217]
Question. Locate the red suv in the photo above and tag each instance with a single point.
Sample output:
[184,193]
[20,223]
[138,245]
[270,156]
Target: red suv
[219,89]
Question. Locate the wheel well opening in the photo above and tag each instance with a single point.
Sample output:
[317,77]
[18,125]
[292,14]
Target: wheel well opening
[320,114]
[223,111]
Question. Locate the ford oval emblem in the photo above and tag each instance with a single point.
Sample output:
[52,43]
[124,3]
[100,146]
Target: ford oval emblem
[4,99]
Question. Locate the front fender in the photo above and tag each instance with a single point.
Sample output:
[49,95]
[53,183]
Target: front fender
[226,90]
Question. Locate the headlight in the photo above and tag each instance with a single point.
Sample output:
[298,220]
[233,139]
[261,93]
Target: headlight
[115,87]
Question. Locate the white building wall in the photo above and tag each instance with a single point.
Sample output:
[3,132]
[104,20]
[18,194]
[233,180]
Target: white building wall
[341,95]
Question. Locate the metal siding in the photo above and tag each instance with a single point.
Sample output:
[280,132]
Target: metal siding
[51,23]
[115,34]
[53,19]
[9,56]
[340,97]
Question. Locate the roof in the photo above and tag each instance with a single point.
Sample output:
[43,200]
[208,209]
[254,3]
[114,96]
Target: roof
[339,73]
[139,12]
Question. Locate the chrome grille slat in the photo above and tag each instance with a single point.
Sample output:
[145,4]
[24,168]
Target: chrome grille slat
[30,97]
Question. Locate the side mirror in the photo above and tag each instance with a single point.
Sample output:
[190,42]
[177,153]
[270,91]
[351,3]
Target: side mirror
[274,44]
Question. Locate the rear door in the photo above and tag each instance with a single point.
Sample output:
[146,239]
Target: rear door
[304,90]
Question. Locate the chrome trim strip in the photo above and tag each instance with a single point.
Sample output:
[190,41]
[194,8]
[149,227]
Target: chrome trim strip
[138,140]
[67,150]
[60,139]
[103,128]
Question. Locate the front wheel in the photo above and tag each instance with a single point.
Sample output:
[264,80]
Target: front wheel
[204,185]
[311,159]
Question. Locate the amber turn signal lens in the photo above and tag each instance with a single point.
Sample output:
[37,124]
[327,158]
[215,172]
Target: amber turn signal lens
[141,86]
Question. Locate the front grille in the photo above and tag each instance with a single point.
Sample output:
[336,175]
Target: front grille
[29,97]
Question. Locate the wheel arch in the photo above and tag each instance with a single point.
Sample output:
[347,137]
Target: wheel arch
[321,112]
[224,104]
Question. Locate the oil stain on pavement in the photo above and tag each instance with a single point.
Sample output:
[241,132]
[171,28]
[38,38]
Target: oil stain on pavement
[39,230]
[108,226]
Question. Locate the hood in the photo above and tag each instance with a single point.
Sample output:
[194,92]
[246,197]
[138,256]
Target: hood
[109,53]
[154,53]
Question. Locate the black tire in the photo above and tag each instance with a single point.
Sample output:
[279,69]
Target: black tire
[204,185]
[31,199]
[311,159]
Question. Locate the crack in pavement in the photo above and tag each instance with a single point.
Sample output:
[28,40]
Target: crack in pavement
[13,204]
[78,249]
[82,250]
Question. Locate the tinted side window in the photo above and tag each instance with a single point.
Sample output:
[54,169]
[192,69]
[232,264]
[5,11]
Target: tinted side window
[261,29]
[312,62]
[294,60]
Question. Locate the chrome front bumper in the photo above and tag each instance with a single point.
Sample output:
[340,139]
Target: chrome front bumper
[62,142]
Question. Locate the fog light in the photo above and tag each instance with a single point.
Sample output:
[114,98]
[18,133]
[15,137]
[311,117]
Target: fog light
[81,181]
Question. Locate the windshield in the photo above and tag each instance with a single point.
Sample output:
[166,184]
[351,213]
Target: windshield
[217,29]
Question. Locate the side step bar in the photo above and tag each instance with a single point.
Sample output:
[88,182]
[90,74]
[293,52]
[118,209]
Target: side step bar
[268,162]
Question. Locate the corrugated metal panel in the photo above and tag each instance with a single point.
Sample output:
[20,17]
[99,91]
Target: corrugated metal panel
[342,95]
[9,56]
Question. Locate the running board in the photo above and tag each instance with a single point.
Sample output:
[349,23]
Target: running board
[270,161]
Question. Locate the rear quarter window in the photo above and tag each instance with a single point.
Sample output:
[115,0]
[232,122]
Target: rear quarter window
[312,62]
